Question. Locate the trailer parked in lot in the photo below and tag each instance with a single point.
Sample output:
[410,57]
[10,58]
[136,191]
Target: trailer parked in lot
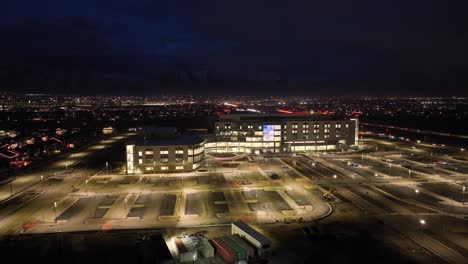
[222,249]
[240,252]
[249,250]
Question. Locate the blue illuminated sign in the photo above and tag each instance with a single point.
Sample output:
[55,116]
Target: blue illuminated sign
[268,132]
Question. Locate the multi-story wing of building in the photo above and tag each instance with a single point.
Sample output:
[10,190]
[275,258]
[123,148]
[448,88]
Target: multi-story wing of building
[258,133]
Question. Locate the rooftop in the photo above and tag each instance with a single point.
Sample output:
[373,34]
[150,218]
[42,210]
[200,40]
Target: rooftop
[170,141]
[276,117]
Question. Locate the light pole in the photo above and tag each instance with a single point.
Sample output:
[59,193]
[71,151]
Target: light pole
[390,169]
[409,173]
[463,195]
[11,188]
[422,222]
[125,201]
[55,211]
[107,168]
[86,186]
[42,177]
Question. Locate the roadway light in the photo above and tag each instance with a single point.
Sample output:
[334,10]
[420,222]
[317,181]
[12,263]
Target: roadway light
[42,177]
[334,176]
[463,195]
[422,222]
[55,211]
[375,174]
[416,191]
[409,173]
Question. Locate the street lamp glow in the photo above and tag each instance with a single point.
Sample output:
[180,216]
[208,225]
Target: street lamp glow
[422,222]
[416,191]
[334,176]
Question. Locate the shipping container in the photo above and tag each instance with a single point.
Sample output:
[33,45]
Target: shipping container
[241,254]
[249,250]
[222,249]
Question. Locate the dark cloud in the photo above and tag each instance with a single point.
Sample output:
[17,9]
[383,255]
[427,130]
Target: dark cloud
[380,47]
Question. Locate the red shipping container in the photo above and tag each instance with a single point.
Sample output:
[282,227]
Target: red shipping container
[226,252]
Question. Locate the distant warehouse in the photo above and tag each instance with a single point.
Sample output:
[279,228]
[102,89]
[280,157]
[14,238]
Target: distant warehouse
[273,133]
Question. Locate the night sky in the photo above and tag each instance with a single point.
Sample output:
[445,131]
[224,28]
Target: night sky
[329,47]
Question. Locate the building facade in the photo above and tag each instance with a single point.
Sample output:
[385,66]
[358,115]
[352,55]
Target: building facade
[257,133]
[176,154]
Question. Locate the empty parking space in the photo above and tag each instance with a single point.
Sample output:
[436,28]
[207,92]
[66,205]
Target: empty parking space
[448,190]
[168,204]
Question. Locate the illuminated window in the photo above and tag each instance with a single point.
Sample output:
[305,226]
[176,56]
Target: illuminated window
[179,167]
[337,125]
[149,152]
[164,168]
[140,161]
[140,153]
[179,152]
[164,152]
[149,168]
